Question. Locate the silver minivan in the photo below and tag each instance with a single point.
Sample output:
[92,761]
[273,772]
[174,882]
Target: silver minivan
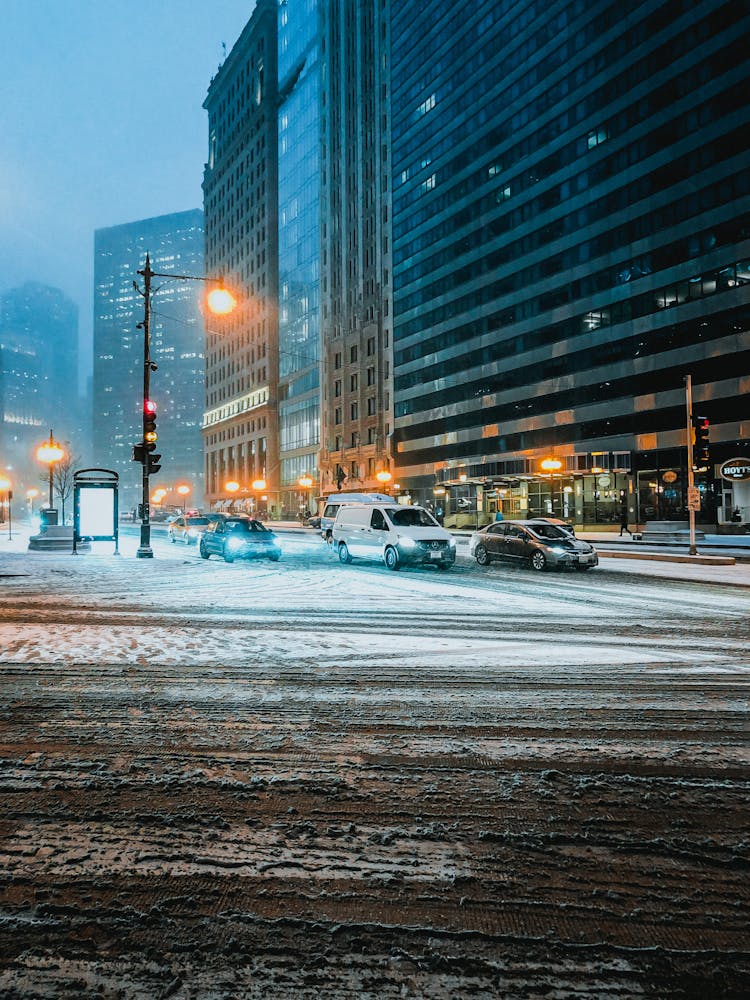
[393,534]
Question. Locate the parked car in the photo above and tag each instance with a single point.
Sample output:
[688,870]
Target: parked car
[237,537]
[538,543]
[393,534]
[187,528]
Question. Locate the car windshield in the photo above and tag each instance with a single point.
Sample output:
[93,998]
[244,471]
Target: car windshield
[246,526]
[548,531]
[197,520]
[411,517]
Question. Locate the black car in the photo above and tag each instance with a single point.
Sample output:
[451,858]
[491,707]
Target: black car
[239,537]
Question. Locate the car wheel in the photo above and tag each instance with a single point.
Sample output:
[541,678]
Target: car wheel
[538,561]
[482,556]
[203,552]
[391,558]
[344,556]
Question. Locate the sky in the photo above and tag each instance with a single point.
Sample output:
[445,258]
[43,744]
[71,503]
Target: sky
[101,123]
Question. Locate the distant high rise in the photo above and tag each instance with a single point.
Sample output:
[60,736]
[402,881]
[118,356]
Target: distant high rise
[176,245]
[38,373]
[240,424]
[571,215]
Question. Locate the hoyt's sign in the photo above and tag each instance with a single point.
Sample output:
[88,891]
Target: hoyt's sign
[735,470]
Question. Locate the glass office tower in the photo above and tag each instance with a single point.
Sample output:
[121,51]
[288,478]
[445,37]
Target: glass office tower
[299,245]
[571,216]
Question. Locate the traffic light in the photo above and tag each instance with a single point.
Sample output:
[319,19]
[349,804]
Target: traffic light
[153,463]
[149,424]
[139,453]
[700,440]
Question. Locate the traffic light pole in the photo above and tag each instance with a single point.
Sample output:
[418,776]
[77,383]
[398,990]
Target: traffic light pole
[144,549]
[690,478]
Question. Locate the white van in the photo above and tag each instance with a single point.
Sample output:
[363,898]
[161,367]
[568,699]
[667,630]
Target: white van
[393,534]
[336,500]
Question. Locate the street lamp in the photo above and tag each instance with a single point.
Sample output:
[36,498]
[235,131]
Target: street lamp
[7,486]
[220,301]
[183,490]
[306,483]
[30,495]
[383,476]
[50,452]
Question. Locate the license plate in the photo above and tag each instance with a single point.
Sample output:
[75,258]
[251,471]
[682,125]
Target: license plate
[436,555]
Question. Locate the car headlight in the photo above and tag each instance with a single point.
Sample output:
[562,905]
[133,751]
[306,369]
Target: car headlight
[408,543]
[452,543]
[558,550]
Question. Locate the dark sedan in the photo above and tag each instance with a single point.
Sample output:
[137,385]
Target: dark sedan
[239,538]
[538,544]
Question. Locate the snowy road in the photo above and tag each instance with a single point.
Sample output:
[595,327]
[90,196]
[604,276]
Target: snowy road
[305,779]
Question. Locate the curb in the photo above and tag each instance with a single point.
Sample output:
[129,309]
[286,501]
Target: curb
[668,557]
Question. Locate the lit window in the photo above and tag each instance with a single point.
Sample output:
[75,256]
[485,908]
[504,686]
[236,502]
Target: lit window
[427,105]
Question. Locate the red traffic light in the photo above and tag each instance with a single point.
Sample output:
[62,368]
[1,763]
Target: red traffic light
[149,406]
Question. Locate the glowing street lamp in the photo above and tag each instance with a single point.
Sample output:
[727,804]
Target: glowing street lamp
[50,452]
[6,486]
[306,482]
[30,496]
[183,491]
[383,476]
[219,301]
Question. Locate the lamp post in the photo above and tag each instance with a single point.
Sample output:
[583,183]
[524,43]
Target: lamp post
[306,483]
[183,491]
[7,486]
[383,477]
[258,486]
[50,452]
[220,301]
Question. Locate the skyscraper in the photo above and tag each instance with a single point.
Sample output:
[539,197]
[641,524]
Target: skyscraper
[356,405]
[571,211]
[38,373]
[240,426]
[299,136]
[175,244]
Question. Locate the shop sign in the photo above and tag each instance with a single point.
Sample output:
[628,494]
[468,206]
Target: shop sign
[735,470]
[604,481]
[669,477]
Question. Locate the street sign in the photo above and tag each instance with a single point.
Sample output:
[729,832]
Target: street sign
[693,498]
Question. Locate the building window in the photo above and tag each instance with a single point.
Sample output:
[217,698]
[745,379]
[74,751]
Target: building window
[337,415]
[337,360]
[371,376]
[370,346]
[354,410]
[597,137]
[427,105]
[371,406]
[354,383]
[428,184]
[353,353]
[337,387]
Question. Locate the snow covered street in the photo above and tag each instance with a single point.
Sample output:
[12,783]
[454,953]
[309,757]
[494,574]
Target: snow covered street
[306,779]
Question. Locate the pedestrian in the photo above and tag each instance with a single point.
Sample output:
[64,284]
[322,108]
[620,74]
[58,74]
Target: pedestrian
[624,522]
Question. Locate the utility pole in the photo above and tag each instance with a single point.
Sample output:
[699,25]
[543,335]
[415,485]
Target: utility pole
[693,494]
[144,549]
